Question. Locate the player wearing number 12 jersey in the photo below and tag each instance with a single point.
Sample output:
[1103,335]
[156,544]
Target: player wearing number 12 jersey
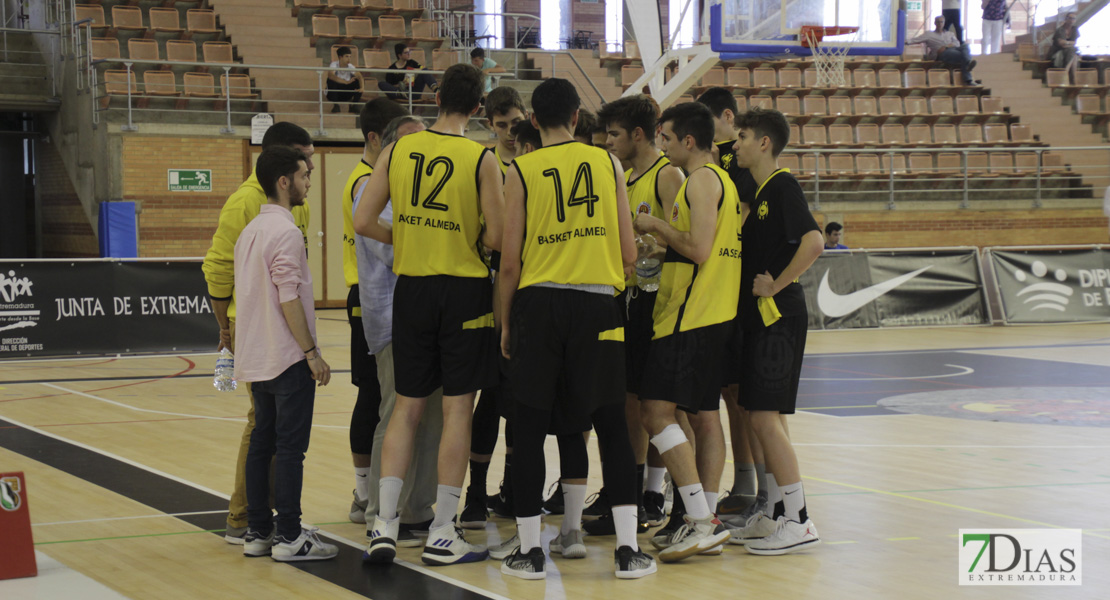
[441,185]
[568,241]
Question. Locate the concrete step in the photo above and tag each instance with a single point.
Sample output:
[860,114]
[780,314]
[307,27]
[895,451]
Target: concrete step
[259,30]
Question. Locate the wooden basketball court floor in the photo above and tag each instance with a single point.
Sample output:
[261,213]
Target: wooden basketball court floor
[904,437]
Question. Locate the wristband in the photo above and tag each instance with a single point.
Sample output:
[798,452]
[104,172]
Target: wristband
[310,350]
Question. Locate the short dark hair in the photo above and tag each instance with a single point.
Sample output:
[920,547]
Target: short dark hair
[587,124]
[377,113]
[343,51]
[284,133]
[390,134]
[275,163]
[460,91]
[833,226]
[693,119]
[554,102]
[524,132]
[478,53]
[503,99]
[766,122]
[630,112]
[718,99]
[399,49]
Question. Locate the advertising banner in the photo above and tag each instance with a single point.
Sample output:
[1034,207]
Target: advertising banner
[1039,285]
[54,308]
[895,289]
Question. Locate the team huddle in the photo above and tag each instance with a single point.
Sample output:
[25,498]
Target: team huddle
[573,298]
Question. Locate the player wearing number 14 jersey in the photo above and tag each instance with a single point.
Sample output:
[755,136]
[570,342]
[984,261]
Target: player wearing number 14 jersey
[441,185]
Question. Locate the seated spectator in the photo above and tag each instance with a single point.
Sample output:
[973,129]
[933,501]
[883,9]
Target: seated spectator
[486,65]
[345,85]
[397,86]
[1062,52]
[943,46]
[832,236]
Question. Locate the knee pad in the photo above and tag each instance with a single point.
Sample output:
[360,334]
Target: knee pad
[670,437]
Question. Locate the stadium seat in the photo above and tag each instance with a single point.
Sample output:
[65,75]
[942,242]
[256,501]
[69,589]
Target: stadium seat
[992,105]
[165,20]
[815,134]
[443,59]
[105,49]
[359,28]
[714,77]
[1025,162]
[95,12]
[996,133]
[916,105]
[741,104]
[739,77]
[790,78]
[841,164]
[865,105]
[1002,164]
[409,8]
[426,30]
[939,78]
[217,52]
[889,105]
[894,134]
[391,28]
[764,78]
[181,51]
[916,78]
[160,83]
[118,83]
[864,77]
[814,105]
[629,75]
[921,163]
[944,134]
[919,134]
[142,49]
[326,27]
[867,165]
[814,164]
[236,86]
[890,78]
[760,100]
[1056,77]
[841,135]
[376,59]
[200,85]
[867,134]
[201,21]
[941,105]
[971,134]
[308,5]
[418,55]
[1021,133]
[127,18]
[978,164]
[839,105]
[789,105]
[950,163]
[967,105]
[895,162]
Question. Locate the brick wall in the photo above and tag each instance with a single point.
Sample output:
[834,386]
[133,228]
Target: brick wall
[178,223]
[66,231]
[905,229]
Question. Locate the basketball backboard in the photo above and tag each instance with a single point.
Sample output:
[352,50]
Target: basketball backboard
[750,28]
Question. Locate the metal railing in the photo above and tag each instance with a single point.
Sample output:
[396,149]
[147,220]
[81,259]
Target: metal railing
[964,184]
[455,24]
[573,75]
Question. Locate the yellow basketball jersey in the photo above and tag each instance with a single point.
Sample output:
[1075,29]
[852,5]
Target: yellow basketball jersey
[643,192]
[433,182]
[693,295]
[571,231]
[500,161]
[350,262]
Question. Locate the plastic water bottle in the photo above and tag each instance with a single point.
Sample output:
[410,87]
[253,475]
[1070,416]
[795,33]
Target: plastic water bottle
[649,262]
[224,379]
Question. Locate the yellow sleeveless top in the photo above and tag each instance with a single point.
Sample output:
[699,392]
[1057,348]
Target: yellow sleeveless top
[693,295]
[350,260]
[571,234]
[433,183]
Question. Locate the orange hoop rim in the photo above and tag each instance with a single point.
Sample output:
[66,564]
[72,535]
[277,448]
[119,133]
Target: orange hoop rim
[817,33]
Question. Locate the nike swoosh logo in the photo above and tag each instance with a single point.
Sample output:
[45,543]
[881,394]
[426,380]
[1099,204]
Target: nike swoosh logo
[788,493]
[838,305]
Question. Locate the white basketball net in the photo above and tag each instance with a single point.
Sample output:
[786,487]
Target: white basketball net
[828,59]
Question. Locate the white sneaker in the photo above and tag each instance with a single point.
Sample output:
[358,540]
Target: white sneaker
[530,566]
[383,541]
[358,509]
[569,545]
[756,527]
[633,564]
[789,536]
[307,546]
[695,537]
[504,549]
[255,545]
[447,546]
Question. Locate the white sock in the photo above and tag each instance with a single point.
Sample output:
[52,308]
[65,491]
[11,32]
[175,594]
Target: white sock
[793,501]
[574,501]
[711,500]
[528,528]
[389,493]
[624,521]
[655,479]
[743,481]
[774,495]
[362,483]
[447,504]
[693,496]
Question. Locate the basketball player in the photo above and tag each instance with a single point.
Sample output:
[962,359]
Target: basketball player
[441,183]
[781,241]
[375,115]
[504,108]
[564,258]
[698,291]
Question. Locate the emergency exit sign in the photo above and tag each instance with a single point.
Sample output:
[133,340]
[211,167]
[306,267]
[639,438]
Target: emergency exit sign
[190,180]
[913,5]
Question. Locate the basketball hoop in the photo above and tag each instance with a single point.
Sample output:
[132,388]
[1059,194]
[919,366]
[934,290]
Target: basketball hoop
[828,57]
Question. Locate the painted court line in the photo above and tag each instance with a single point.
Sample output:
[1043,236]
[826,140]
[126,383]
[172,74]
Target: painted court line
[963,371]
[829,445]
[157,516]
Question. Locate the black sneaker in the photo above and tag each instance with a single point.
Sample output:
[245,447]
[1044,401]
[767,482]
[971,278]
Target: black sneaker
[653,508]
[474,512]
[530,565]
[409,534]
[501,503]
[599,507]
[554,503]
[632,564]
[662,538]
[605,525]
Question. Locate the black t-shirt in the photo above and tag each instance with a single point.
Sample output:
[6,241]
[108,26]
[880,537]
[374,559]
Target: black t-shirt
[741,177]
[397,78]
[779,218]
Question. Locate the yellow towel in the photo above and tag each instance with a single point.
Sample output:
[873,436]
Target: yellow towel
[768,310]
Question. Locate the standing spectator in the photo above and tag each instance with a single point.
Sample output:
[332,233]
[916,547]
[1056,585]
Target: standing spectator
[397,85]
[943,46]
[832,236]
[487,66]
[345,85]
[1062,53]
[994,18]
[278,353]
[950,10]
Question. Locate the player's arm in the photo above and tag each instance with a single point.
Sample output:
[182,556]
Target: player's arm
[219,264]
[492,200]
[508,278]
[703,192]
[624,219]
[373,202]
[669,181]
[810,247]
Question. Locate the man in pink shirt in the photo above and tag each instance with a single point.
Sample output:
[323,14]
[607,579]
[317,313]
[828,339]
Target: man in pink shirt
[276,338]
